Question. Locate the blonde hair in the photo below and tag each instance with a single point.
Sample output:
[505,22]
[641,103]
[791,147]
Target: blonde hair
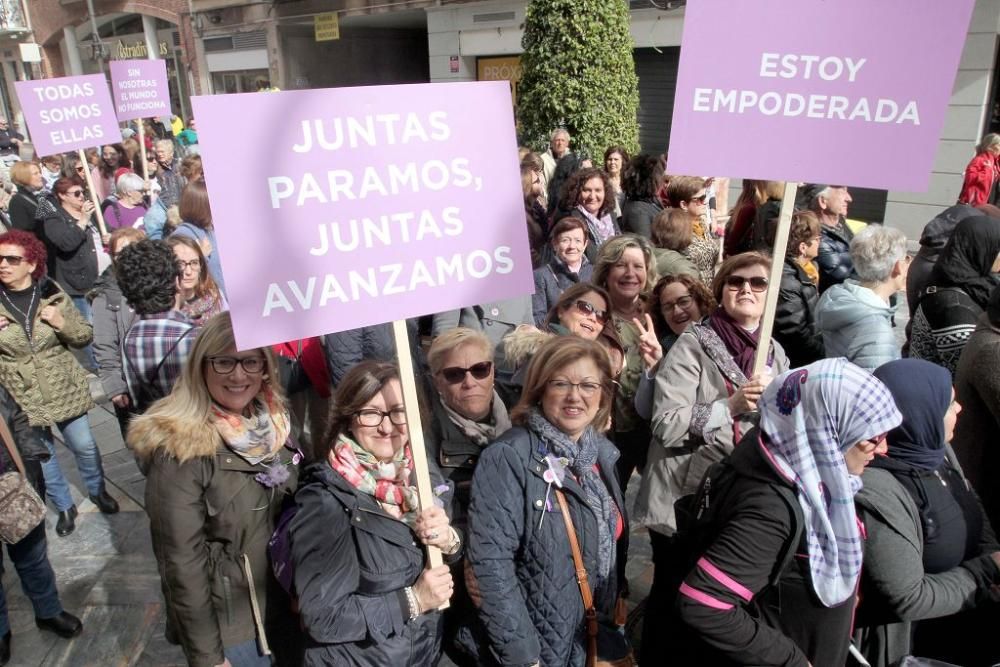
[185,411]
[454,339]
[611,252]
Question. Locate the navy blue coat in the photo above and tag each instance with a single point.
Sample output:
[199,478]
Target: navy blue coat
[834,259]
[530,604]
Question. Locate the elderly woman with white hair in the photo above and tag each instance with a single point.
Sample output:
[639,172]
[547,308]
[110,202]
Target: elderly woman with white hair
[127,207]
[855,317]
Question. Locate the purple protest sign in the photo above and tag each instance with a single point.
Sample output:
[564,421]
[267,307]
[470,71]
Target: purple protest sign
[852,92]
[347,207]
[139,88]
[68,113]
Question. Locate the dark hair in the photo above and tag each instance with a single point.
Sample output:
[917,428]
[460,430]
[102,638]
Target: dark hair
[569,297]
[70,163]
[566,168]
[697,289]
[735,263]
[574,186]
[62,185]
[672,229]
[567,224]
[106,171]
[357,387]
[34,250]
[642,177]
[682,188]
[206,284]
[615,149]
[147,276]
[805,227]
[194,205]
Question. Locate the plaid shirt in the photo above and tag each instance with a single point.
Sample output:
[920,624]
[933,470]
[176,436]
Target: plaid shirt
[171,183]
[156,338]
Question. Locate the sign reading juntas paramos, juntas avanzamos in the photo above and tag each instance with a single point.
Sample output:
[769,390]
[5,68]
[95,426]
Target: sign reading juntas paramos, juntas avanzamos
[68,113]
[850,92]
[363,205]
[139,88]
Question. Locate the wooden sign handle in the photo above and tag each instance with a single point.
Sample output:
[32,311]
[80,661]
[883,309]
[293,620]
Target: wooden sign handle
[774,282]
[93,193]
[414,427]
[142,150]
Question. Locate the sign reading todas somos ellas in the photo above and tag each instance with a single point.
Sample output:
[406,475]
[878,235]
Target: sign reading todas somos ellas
[139,88]
[850,92]
[68,113]
[348,207]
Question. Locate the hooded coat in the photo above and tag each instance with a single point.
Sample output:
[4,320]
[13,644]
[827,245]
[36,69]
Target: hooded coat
[857,324]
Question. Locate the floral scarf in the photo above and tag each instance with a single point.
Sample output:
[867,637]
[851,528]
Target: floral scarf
[259,437]
[388,483]
[604,226]
[200,309]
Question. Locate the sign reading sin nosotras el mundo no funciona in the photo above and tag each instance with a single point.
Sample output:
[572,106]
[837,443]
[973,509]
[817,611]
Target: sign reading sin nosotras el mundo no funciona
[851,92]
[68,113]
[139,88]
[341,208]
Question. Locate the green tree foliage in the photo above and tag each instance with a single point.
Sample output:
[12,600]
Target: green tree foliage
[578,73]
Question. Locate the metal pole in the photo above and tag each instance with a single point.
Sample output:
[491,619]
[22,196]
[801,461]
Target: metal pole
[98,46]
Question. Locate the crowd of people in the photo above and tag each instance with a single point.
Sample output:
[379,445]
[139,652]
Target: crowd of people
[837,501]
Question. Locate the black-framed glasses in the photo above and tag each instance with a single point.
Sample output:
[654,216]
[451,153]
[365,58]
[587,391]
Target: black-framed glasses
[588,308]
[75,193]
[371,417]
[683,302]
[757,284]
[13,260]
[587,389]
[455,374]
[183,266]
[226,365]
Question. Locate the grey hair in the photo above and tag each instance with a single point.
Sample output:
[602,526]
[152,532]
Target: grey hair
[875,250]
[164,142]
[559,130]
[989,141]
[128,183]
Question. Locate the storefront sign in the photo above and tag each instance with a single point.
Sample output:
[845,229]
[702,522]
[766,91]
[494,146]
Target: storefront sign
[853,92]
[68,113]
[327,27]
[140,88]
[505,68]
[137,49]
[364,205]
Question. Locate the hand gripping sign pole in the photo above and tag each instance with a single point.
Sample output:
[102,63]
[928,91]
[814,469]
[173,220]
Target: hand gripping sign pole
[774,281]
[414,428]
[93,195]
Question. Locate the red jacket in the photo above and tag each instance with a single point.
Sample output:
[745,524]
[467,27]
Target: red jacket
[980,176]
[312,359]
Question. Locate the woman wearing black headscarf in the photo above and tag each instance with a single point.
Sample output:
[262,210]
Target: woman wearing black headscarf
[930,551]
[957,293]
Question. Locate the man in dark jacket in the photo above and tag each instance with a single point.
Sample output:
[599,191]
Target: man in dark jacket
[830,203]
[10,140]
[30,555]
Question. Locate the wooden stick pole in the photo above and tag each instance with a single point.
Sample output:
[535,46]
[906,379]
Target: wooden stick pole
[93,193]
[142,150]
[414,427]
[774,282]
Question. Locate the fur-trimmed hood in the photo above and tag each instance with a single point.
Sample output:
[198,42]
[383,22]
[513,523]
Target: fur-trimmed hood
[522,343]
[183,441]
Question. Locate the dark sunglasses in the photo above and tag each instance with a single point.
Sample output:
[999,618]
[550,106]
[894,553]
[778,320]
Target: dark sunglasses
[700,199]
[75,193]
[13,260]
[454,374]
[588,308]
[757,284]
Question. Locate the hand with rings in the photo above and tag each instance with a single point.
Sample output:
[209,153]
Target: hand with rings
[433,528]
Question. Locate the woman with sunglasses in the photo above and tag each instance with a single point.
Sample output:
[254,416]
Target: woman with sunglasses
[776,550]
[569,266]
[39,328]
[219,470]
[930,553]
[689,194]
[704,401]
[364,592]
[520,562]
[202,298]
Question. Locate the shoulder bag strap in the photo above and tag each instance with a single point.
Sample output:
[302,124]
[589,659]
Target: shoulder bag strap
[8,441]
[590,613]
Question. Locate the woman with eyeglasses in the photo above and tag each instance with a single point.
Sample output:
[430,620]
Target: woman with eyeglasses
[364,591]
[23,207]
[520,563]
[39,328]
[219,470]
[689,194]
[569,266]
[795,317]
[704,401]
[202,298]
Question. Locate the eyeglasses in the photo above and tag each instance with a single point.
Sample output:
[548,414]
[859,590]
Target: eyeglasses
[682,302]
[701,199]
[226,365]
[183,266]
[588,308]
[75,193]
[371,417]
[757,284]
[587,389]
[13,260]
[454,374]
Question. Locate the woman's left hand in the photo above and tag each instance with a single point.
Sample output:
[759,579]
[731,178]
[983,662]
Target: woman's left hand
[433,528]
[52,316]
[649,347]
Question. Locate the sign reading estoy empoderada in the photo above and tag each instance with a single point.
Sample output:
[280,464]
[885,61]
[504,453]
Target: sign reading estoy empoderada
[68,113]
[139,88]
[851,92]
[341,208]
